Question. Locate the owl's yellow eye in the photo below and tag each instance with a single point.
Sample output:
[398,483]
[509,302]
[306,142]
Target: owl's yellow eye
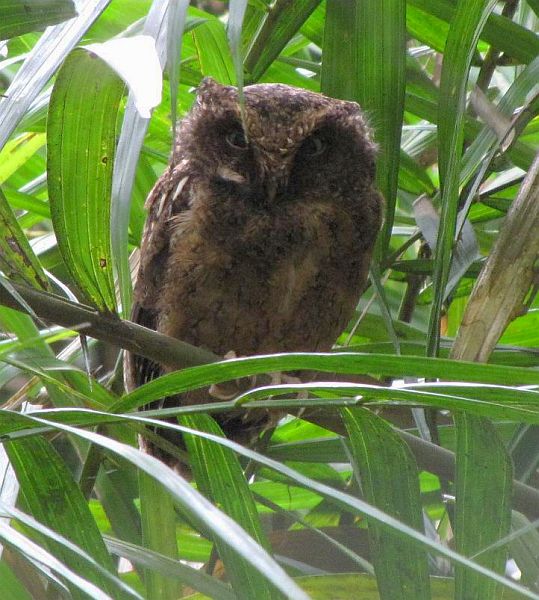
[237,140]
[313,146]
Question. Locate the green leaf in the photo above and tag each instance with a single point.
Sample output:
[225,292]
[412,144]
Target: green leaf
[17,151]
[81,144]
[281,22]
[48,565]
[40,531]
[52,497]
[213,52]
[412,177]
[199,510]
[196,510]
[388,475]
[17,259]
[483,472]
[159,535]
[342,362]
[364,59]
[116,490]
[464,32]
[41,63]
[513,39]
[220,478]
[534,4]
[12,588]
[21,17]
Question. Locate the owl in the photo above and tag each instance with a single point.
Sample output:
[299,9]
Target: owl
[259,233]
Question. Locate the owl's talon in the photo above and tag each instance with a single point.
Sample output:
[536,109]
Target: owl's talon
[224,391]
[230,389]
[284,379]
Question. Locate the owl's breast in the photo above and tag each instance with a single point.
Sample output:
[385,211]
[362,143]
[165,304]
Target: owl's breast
[280,284]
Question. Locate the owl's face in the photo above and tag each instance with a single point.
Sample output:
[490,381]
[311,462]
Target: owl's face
[289,144]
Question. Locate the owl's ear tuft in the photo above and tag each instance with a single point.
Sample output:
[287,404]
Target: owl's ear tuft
[352,109]
[209,89]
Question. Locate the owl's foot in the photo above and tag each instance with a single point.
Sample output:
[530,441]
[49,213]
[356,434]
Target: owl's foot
[285,379]
[224,391]
[230,389]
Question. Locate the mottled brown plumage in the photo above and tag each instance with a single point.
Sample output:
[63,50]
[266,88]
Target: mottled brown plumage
[259,234]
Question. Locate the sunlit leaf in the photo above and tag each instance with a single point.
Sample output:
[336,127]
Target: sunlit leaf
[81,148]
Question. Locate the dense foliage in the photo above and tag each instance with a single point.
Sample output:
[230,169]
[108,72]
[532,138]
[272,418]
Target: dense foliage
[415,451]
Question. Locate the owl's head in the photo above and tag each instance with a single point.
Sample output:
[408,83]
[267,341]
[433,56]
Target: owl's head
[286,143]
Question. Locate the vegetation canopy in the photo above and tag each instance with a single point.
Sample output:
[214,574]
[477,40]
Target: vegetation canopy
[407,467]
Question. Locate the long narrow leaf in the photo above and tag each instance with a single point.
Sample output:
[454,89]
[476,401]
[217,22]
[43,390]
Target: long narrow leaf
[364,59]
[17,18]
[483,471]
[158,534]
[389,480]
[219,476]
[342,362]
[464,32]
[45,57]
[81,147]
[52,497]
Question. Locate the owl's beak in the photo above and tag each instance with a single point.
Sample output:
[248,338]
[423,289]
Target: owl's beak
[274,185]
[271,190]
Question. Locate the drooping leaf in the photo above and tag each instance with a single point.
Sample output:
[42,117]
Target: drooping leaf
[219,476]
[81,146]
[389,480]
[483,471]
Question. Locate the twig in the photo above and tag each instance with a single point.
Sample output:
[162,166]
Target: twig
[109,328]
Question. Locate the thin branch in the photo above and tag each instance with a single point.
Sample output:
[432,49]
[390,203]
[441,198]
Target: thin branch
[158,347]
[109,328]
[431,458]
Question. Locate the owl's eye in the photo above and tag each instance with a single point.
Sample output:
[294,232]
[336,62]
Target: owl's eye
[313,146]
[236,139]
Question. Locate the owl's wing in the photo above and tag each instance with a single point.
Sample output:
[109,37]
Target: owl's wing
[169,197]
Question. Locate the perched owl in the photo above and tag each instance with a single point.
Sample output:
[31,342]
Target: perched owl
[260,232]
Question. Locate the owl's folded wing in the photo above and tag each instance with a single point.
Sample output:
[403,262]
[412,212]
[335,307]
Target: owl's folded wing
[166,200]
